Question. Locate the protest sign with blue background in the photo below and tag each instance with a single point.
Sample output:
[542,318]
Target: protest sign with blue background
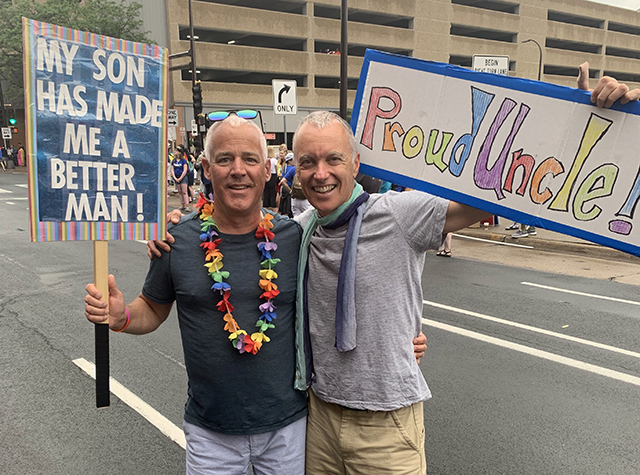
[96,130]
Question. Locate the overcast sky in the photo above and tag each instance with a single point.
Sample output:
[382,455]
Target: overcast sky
[631,4]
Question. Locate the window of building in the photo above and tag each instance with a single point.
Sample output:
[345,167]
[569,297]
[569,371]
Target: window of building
[355,50]
[485,34]
[573,46]
[567,71]
[632,30]
[464,61]
[571,19]
[360,16]
[332,82]
[622,53]
[245,39]
[284,6]
[494,5]
[242,77]
[624,77]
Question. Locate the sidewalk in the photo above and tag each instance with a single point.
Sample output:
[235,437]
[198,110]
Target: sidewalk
[16,170]
[549,241]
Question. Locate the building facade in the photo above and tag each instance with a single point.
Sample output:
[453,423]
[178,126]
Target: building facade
[243,44]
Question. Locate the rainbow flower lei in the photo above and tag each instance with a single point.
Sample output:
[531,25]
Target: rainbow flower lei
[240,340]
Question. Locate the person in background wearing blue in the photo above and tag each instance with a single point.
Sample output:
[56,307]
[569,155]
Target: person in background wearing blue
[286,183]
[179,171]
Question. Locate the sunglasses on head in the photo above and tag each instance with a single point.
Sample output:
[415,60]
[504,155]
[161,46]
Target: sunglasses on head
[243,114]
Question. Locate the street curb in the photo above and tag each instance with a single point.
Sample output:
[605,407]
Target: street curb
[580,249]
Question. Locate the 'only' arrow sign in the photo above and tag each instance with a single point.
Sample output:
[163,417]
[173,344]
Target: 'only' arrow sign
[285,101]
[284,89]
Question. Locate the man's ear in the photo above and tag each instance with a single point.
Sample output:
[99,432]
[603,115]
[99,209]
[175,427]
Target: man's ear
[267,168]
[206,169]
[356,165]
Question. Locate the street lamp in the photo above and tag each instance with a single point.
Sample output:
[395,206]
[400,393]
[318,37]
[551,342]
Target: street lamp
[540,58]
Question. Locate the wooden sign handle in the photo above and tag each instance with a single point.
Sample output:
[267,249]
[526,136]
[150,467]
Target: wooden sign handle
[101,280]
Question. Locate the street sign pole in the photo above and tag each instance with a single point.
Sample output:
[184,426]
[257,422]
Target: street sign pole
[284,122]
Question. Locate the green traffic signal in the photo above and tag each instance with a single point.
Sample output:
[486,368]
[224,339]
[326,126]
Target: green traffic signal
[13,121]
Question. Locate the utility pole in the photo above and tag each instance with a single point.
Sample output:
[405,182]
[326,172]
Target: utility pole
[344,51]
[196,88]
[3,112]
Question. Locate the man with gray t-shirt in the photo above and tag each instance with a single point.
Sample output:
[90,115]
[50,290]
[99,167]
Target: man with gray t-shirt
[360,296]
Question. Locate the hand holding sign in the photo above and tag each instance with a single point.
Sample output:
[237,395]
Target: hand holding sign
[607,91]
[97,311]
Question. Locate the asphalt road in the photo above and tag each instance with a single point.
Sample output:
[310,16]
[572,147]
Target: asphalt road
[507,399]
[510,400]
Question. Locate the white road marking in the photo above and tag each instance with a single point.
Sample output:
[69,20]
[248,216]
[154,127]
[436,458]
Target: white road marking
[22,185]
[12,260]
[608,373]
[534,329]
[574,292]
[10,202]
[13,198]
[163,424]
[493,242]
[171,358]
[2,190]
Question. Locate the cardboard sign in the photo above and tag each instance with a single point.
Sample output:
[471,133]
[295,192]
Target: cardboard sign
[537,153]
[96,133]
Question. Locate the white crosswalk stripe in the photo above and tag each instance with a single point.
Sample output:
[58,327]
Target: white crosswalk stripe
[2,190]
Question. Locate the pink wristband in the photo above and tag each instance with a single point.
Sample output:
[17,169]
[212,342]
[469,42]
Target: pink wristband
[126,310]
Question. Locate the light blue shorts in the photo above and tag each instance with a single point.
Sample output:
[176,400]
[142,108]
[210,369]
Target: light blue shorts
[273,453]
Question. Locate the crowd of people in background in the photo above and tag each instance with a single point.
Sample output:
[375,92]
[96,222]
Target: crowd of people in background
[18,156]
[282,192]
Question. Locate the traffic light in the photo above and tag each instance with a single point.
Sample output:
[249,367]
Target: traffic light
[12,118]
[14,130]
[197,98]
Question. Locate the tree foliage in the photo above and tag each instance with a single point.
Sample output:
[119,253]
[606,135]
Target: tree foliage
[104,17]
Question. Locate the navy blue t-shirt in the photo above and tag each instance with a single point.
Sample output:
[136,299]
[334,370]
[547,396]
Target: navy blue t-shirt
[229,392]
[178,169]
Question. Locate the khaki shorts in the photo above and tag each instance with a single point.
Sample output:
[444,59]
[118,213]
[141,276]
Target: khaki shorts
[344,441]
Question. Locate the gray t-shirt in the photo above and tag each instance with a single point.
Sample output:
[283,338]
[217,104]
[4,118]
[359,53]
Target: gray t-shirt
[381,373]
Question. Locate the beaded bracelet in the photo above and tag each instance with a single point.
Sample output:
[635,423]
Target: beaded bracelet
[126,310]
